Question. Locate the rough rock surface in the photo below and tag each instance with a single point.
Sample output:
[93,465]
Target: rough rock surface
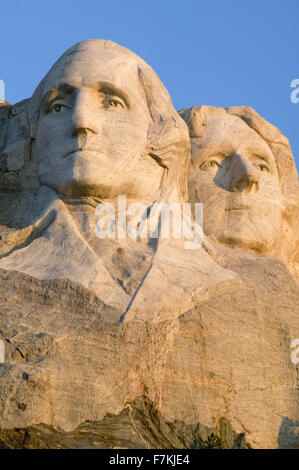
[70,367]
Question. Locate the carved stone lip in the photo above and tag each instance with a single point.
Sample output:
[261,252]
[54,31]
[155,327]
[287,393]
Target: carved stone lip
[82,149]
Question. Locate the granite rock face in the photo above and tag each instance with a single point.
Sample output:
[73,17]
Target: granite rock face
[69,363]
[140,342]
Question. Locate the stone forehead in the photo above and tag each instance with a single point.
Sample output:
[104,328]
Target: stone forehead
[104,65]
[99,45]
[217,125]
[158,97]
[222,126]
[201,117]
[97,50]
[116,56]
[198,116]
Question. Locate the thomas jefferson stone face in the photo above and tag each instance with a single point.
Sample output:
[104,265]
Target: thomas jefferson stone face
[92,131]
[233,173]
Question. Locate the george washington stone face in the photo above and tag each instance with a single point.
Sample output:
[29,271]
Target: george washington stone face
[92,129]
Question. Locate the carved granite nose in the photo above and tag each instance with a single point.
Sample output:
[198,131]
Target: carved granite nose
[83,119]
[245,176]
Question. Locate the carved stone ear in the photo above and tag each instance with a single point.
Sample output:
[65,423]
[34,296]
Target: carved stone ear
[168,139]
[168,144]
[167,133]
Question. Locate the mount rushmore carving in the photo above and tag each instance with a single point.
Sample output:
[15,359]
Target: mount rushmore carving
[140,342]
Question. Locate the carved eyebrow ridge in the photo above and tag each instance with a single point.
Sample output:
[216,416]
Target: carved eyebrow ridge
[56,93]
[110,89]
[66,89]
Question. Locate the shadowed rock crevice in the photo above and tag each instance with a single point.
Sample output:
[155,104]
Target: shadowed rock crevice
[138,426]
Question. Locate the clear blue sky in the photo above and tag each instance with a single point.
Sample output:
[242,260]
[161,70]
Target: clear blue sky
[214,52]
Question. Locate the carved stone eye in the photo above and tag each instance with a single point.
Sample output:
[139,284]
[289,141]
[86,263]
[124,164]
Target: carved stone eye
[210,165]
[263,168]
[112,103]
[57,108]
